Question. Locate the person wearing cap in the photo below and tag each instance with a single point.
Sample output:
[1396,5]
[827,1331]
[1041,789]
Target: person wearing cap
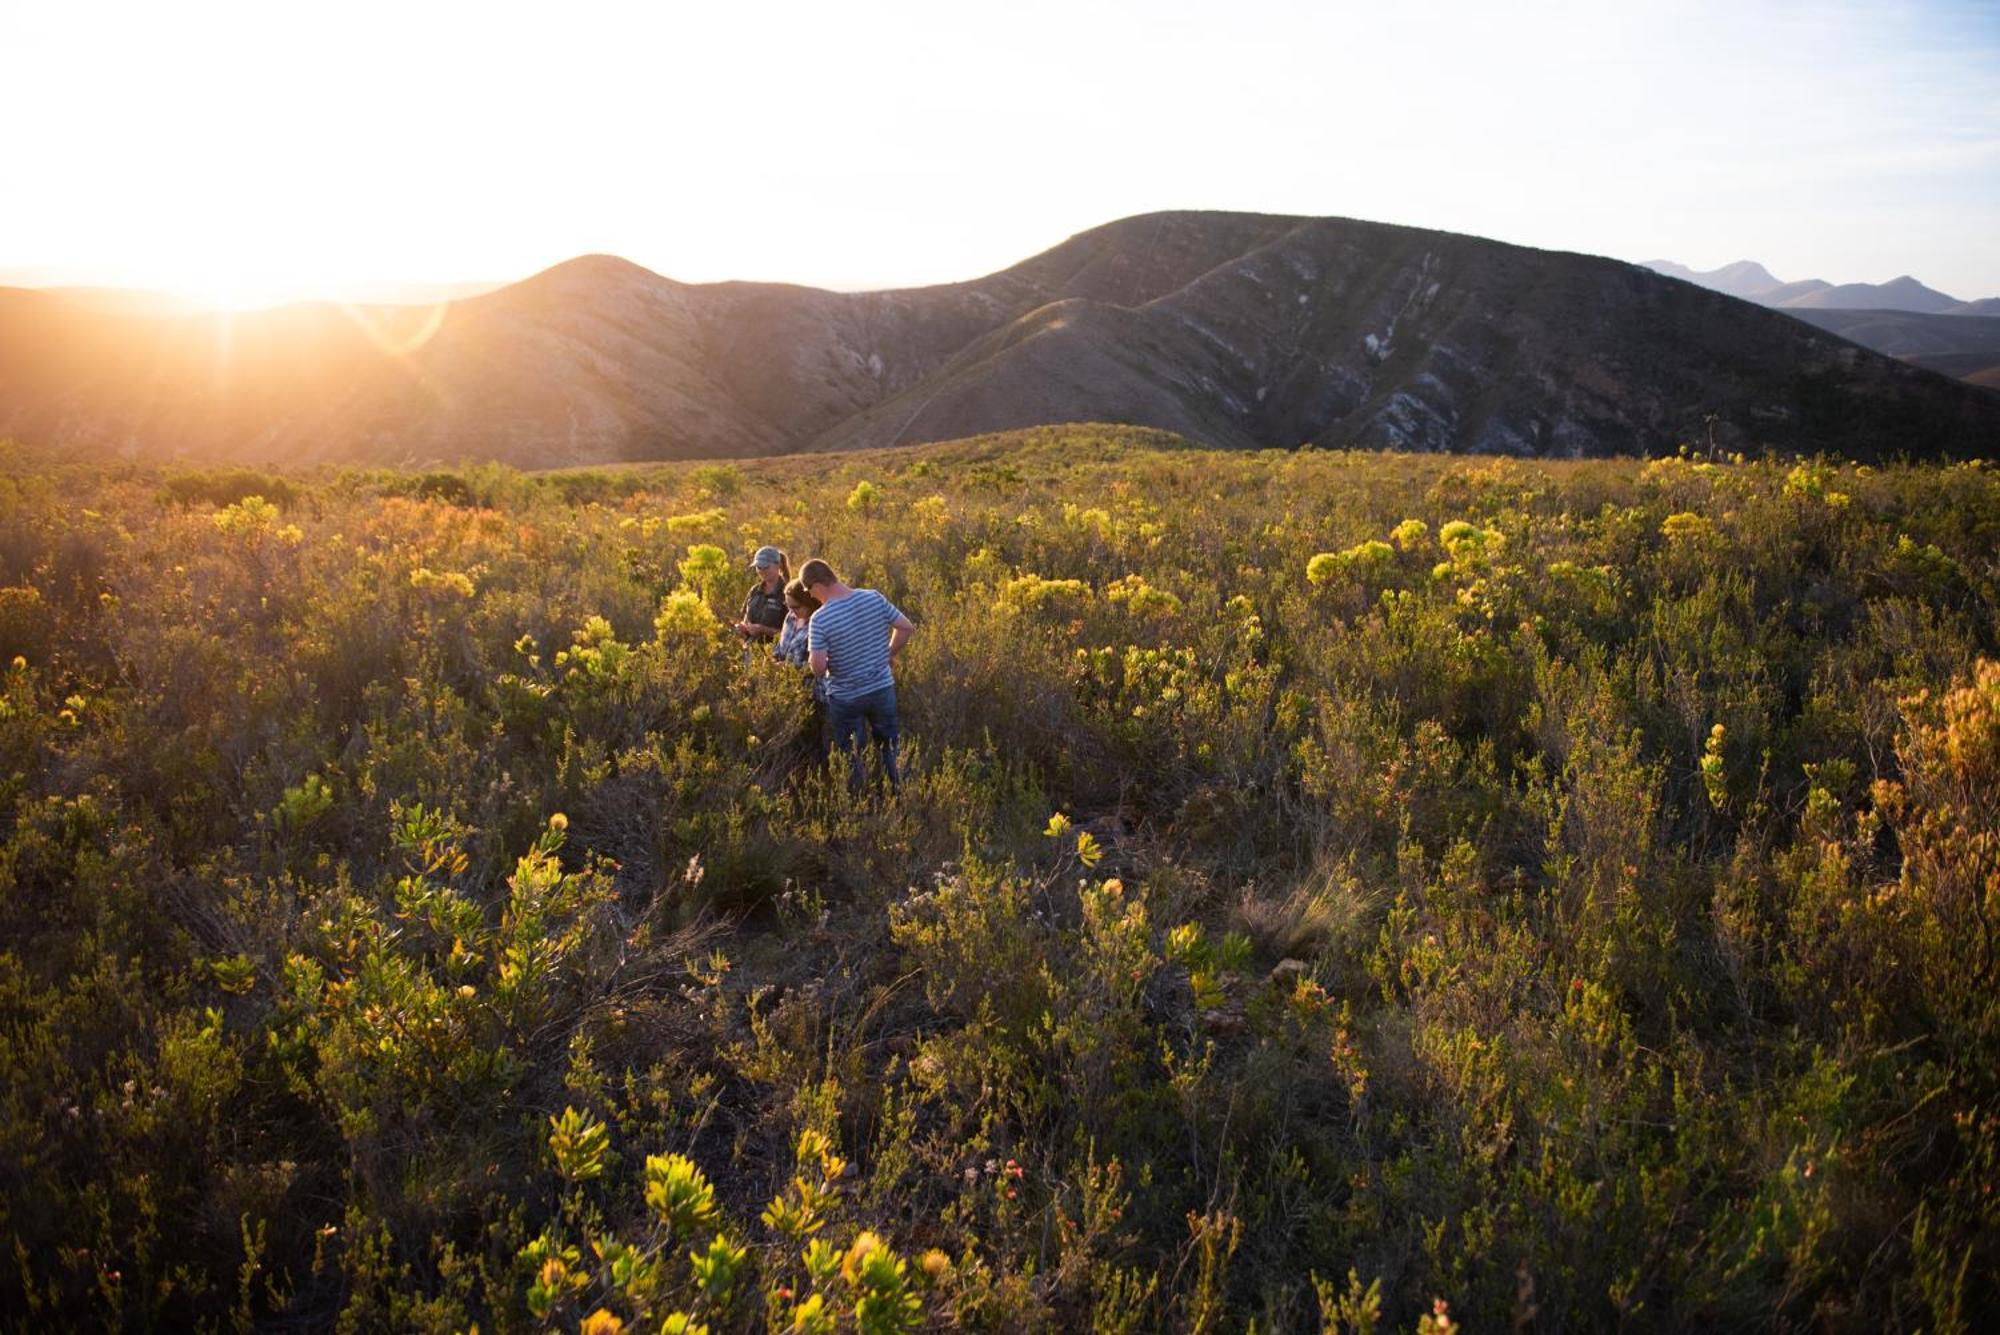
[764,609]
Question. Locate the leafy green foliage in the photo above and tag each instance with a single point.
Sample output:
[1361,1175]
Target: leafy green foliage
[1330,891]
[677,1193]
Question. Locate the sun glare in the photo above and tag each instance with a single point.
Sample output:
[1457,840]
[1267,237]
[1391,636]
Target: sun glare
[206,272]
[222,287]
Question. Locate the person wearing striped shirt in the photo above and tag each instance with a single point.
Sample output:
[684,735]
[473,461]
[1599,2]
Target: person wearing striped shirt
[852,642]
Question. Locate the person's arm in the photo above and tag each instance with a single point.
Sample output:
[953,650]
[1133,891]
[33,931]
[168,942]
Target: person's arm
[900,631]
[815,656]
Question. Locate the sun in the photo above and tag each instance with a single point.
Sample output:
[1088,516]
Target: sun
[232,269]
[209,282]
[232,290]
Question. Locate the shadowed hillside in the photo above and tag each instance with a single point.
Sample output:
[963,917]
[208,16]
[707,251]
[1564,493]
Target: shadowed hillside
[1236,329]
[1967,346]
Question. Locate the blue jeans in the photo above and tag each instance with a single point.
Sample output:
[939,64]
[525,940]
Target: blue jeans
[878,712]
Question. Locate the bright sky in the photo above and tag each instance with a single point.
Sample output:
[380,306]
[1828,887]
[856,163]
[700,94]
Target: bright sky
[294,147]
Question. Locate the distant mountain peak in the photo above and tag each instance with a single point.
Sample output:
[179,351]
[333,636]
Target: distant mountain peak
[1749,272]
[1898,294]
[599,260]
[596,268]
[1744,278]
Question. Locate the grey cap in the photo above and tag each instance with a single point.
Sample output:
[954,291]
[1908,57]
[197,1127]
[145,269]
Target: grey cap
[767,556]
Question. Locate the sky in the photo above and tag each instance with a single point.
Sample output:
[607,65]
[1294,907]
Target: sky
[247,152]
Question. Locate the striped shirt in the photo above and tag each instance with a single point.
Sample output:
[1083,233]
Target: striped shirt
[853,633]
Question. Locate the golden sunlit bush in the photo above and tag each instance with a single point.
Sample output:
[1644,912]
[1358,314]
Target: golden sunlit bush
[1141,598]
[1032,593]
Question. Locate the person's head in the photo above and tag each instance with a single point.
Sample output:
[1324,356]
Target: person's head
[799,598]
[815,575]
[771,567]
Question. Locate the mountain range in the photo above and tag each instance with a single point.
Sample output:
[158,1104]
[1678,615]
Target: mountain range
[1901,317]
[1232,329]
[1753,282]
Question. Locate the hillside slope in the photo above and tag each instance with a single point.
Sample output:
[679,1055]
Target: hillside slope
[1967,346]
[1237,329]
[1909,333]
[1360,334]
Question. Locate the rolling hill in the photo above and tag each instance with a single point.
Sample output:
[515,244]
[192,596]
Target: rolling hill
[1967,346]
[1234,329]
[1898,294]
[1910,334]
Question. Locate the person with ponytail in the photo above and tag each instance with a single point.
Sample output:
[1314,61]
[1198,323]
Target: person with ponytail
[794,647]
[764,608]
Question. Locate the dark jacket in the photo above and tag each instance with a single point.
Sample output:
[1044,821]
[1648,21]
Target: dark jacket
[765,609]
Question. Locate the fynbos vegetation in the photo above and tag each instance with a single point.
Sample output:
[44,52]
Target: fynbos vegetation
[1328,892]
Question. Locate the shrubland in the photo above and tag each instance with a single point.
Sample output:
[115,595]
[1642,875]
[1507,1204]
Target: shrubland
[1331,892]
